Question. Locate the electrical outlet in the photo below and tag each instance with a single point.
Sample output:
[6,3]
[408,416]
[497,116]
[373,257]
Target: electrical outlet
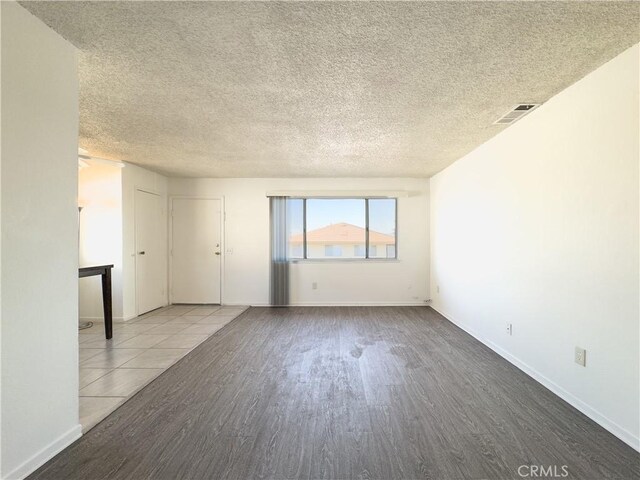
[581,356]
[314,286]
[509,329]
[437,288]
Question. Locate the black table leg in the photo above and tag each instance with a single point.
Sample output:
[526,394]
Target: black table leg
[106,303]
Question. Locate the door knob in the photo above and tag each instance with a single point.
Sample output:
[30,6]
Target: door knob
[217,253]
[141,253]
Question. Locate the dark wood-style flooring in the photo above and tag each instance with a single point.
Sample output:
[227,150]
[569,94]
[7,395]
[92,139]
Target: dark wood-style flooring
[342,393]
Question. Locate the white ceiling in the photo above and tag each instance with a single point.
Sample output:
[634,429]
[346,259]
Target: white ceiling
[249,89]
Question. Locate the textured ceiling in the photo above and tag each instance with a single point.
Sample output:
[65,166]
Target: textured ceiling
[251,89]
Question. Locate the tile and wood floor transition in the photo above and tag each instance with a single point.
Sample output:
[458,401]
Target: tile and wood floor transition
[341,393]
[111,371]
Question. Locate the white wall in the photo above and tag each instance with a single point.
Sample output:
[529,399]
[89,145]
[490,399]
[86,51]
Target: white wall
[100,195]
[1,22]
[39,254]
[246,268]
[539,228]
[107,233]
[134,178]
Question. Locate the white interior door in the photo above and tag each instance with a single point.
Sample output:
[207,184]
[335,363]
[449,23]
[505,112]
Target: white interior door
[150,254]
[196,251]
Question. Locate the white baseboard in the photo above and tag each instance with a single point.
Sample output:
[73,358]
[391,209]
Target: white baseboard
[130,317]
[47,453]
[611,426]
[344,304]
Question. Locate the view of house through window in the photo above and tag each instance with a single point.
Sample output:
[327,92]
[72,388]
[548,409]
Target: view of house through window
[341,228]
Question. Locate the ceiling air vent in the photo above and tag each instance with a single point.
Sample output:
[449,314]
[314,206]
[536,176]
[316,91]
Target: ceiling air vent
[516,113]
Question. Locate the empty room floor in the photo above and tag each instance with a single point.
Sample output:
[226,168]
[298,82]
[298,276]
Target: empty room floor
[111,371]
[342,392]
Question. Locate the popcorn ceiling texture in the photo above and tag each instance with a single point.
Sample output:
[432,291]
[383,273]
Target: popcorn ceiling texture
[322,89]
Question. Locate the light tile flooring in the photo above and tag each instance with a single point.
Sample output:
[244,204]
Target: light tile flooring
[111,371]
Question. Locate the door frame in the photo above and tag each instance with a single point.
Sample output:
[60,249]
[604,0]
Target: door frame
[223,242]
[162,196]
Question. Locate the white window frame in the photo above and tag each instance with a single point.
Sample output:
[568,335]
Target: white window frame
[366,257]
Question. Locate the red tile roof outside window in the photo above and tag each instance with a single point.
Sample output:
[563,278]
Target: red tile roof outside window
[342,233]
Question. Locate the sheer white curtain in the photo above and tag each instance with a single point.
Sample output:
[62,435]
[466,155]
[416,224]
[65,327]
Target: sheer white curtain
[279,281]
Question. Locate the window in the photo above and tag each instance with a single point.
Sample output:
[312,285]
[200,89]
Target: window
[382,228]
[341,228]
[295,251]
[332,250]
[391,251]
[295,227]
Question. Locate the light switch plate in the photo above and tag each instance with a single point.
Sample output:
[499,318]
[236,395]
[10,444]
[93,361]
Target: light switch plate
[581,356]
